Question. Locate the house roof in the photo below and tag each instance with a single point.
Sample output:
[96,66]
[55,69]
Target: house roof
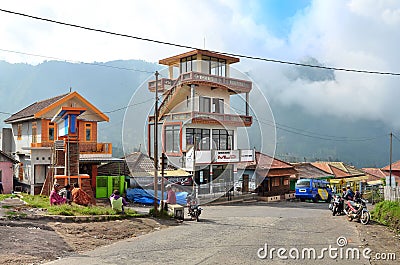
[395,166]
[31,110]
[307,170]
[10,158]
[338,169]
[176,59]
[135,164]
[39,109]
[376,173]
[263,162]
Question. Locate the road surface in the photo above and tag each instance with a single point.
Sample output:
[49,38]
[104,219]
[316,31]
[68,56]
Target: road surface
[241,234]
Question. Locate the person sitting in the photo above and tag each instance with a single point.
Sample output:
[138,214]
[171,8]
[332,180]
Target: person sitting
[79,196]
[171,197]
[118,202]
[66,193]
[55,198]
[349,193]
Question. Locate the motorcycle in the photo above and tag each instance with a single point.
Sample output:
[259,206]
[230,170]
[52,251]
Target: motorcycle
[358,210]
[194,208]
[337,205]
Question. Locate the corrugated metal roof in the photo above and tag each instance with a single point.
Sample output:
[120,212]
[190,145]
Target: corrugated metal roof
[32,109]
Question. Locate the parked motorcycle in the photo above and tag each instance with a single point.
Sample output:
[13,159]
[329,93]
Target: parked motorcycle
[337,205]
[193,206]
[358,210]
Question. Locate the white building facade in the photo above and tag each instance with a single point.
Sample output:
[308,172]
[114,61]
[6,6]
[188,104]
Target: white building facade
[198,124]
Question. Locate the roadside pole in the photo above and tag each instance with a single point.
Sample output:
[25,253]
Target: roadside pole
[156,146]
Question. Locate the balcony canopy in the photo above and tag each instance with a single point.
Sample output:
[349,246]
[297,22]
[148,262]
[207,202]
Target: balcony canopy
[175,60]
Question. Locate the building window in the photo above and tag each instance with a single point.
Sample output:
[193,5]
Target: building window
[19,131]
[213,66]
[218,105]
[188,64]
[34,132]
[286,181]
[171,138]
[222,139]
[51,131]
[204,104]
[201,136]
[275,181]
[1,175]
[88,132]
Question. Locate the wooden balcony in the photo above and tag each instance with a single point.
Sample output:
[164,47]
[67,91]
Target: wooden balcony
[207,118]
[237,85]
[84,147]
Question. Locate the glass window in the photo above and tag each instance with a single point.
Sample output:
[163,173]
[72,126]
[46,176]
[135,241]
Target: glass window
[218,105]
[188,64]
[222,139]
[34,132]
[19,131]
[202,137]
[51,131]
[88,132]
[171,138]
[204,104]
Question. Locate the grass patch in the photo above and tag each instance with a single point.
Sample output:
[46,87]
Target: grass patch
[5,196]
[36,201]
[387,213]
[14,215]
[41,201]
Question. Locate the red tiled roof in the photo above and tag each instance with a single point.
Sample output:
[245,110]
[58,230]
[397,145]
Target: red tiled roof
[32,109]
[376,173]
[323,166]
[264,161]
[395,166]
[307,170]
[339,173]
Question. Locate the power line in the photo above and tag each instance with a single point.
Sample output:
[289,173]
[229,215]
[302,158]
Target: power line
[305,133]
[73,61]
[191,47]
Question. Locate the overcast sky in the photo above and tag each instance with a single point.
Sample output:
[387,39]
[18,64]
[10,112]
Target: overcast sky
[359,34]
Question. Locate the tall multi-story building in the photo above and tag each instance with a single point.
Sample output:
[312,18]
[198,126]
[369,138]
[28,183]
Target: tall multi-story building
[198,123]
[56,140]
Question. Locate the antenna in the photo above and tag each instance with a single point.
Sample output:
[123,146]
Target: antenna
[70,89]
[204,43]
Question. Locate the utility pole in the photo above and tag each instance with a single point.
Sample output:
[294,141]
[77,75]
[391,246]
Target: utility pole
[390,162]
[163,166]
[156,146]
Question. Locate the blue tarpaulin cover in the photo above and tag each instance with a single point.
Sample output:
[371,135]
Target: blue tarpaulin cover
[142,196]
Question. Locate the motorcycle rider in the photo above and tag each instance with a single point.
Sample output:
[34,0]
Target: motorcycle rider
[349,195]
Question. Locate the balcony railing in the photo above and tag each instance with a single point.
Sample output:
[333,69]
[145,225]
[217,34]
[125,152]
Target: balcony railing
[238,85]
[207,118]
[95,148]
[84,147]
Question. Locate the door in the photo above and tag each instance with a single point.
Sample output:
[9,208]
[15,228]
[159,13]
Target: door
[245,183]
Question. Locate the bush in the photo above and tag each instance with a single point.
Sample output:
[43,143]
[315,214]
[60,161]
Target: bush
[387,213]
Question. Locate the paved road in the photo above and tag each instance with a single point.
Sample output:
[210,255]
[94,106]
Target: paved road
[233,235]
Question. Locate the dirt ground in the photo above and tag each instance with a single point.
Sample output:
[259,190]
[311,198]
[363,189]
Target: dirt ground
[35,242]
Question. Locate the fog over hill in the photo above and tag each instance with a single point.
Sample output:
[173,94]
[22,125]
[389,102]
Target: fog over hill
[301,133]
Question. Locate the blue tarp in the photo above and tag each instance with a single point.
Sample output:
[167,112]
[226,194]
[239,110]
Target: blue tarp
[142,196]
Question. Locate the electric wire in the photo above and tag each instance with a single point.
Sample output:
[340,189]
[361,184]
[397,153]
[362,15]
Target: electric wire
[194,48]
[78,62]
